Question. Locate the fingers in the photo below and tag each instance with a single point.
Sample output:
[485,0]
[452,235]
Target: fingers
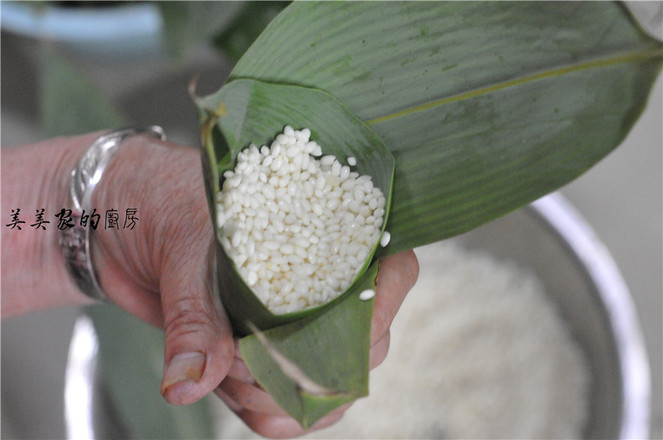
[262,415]
[397,274]
[278,425]
[249,396]
[238,370]
[379,350]
[260,412]
[199,347]
[161,272]
[286,427]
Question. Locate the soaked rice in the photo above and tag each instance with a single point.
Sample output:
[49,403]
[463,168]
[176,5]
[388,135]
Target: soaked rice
[298,228]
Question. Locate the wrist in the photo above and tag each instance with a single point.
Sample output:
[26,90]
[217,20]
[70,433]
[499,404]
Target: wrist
[159,181]
[35,178]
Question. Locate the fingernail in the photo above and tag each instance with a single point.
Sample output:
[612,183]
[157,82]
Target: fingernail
[183,367]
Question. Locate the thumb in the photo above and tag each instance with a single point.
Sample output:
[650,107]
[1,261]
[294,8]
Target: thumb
[199,347]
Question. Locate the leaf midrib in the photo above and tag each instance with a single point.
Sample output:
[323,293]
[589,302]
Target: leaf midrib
[590,64]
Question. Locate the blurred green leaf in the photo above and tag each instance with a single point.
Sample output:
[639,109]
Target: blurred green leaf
[131,360]
[247,26]
[70,103]
[186,23]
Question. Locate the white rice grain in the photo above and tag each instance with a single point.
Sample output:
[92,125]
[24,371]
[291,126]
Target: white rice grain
[280,193]
[386,238]
[366,295]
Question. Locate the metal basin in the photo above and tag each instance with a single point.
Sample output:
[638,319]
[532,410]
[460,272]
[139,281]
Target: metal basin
[579,275]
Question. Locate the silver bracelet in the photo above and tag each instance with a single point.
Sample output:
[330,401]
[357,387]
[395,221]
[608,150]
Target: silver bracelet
[75,240]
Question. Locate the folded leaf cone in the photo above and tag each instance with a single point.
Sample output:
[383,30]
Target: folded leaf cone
[312,360]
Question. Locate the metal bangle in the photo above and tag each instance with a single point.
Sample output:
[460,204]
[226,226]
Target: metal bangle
[75,240]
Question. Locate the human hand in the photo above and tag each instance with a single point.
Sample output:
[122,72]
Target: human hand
[239,390]
[163,272]
[159,270]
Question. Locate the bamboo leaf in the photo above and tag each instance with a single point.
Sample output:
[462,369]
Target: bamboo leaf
[486,106]
[330,348]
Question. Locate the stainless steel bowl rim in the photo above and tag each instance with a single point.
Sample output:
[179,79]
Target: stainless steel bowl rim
[615,295]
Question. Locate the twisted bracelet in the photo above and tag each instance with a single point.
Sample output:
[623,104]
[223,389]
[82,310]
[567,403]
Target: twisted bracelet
[75,241]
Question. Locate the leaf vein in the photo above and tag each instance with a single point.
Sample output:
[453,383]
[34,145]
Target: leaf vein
[597,63]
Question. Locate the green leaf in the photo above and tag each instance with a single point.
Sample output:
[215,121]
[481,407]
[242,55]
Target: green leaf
[187,23]
[486,106]
[70,102]
[247,26]
[330,348]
